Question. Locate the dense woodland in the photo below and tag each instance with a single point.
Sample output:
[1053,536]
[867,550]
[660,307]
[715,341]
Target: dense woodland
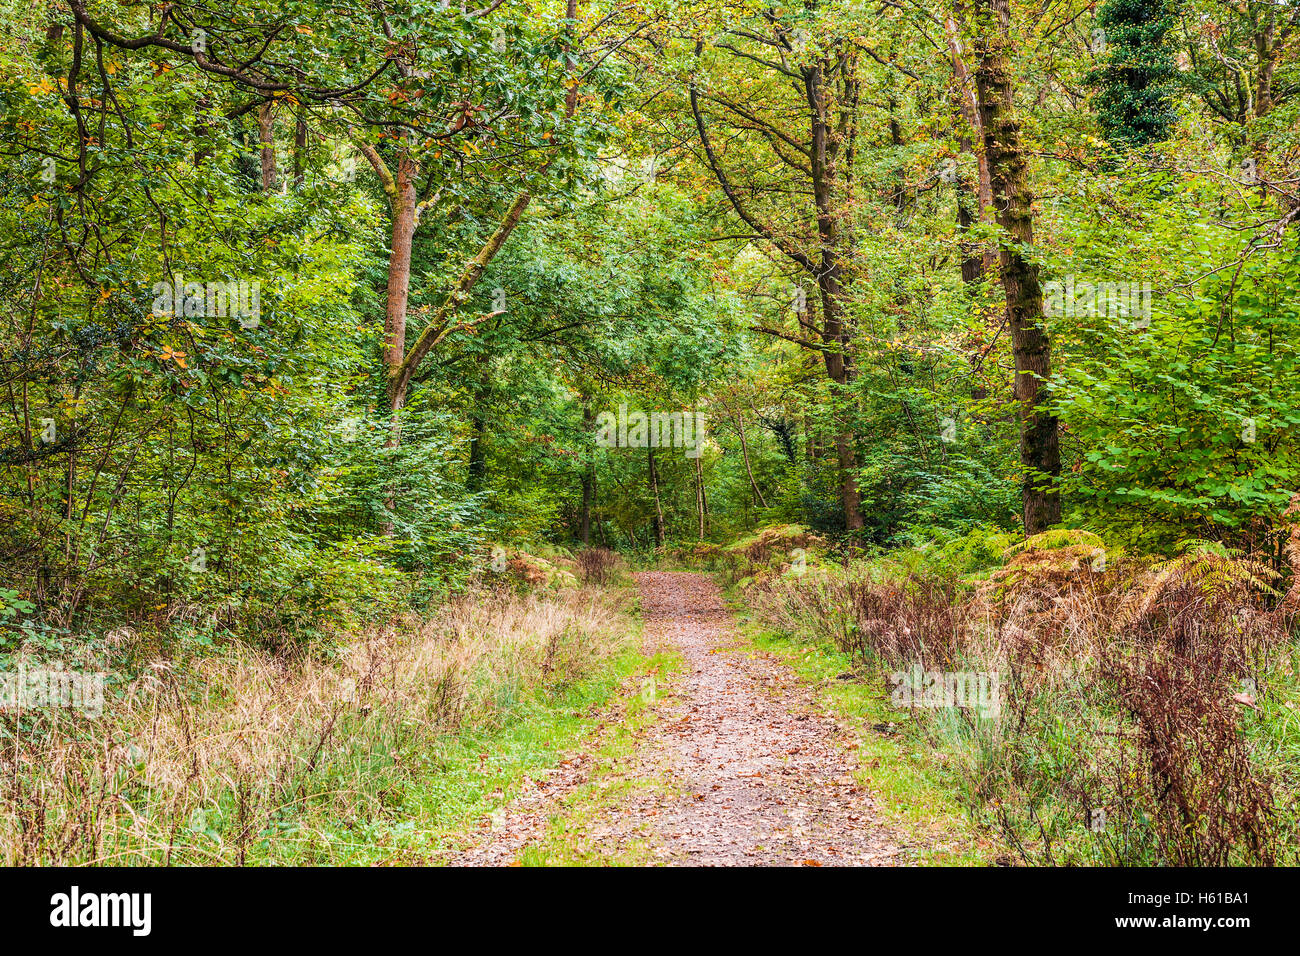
[317,315]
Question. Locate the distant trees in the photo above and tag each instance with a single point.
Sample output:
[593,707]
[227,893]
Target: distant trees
[785,155]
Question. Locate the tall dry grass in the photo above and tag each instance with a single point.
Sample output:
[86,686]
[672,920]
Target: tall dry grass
[241,757]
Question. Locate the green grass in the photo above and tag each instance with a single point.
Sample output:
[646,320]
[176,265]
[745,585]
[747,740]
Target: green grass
[443,795]
[470,775]
[616,778]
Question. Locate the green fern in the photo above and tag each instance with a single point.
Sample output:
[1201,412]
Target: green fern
[1056,538]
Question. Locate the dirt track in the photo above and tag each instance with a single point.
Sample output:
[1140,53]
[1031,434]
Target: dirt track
[755,772]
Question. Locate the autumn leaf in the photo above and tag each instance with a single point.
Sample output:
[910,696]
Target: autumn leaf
[170,355]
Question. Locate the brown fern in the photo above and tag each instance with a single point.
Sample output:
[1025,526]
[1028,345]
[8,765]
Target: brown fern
[1219,573]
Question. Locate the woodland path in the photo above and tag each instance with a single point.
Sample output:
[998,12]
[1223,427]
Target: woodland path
[750,770]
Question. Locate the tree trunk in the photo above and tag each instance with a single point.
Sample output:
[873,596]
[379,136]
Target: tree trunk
[1265,65]
[830,288]
[399,282]
[1040,452]
[700,504]
[849,496]
[266,137]
[299,145]
[477,465]
[399,279]
[974,261]
[202,131]
[659,511]
[850,499]
[584,525]
[744,451]
[588,475]
[973,269]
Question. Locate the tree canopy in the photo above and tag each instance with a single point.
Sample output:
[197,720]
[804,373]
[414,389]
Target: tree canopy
[310,306]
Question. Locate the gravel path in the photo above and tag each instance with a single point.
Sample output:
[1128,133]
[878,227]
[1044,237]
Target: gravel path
[755,772]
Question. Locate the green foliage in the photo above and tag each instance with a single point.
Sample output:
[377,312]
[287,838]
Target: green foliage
[250,477]
[940,553]
[1190,423]
[1136,84]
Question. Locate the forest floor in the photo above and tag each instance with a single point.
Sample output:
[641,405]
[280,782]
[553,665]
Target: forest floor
[728,759]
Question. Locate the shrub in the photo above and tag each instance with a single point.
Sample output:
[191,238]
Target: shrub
[1192,781]
[597,565]
[770,549]
[1150,690]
